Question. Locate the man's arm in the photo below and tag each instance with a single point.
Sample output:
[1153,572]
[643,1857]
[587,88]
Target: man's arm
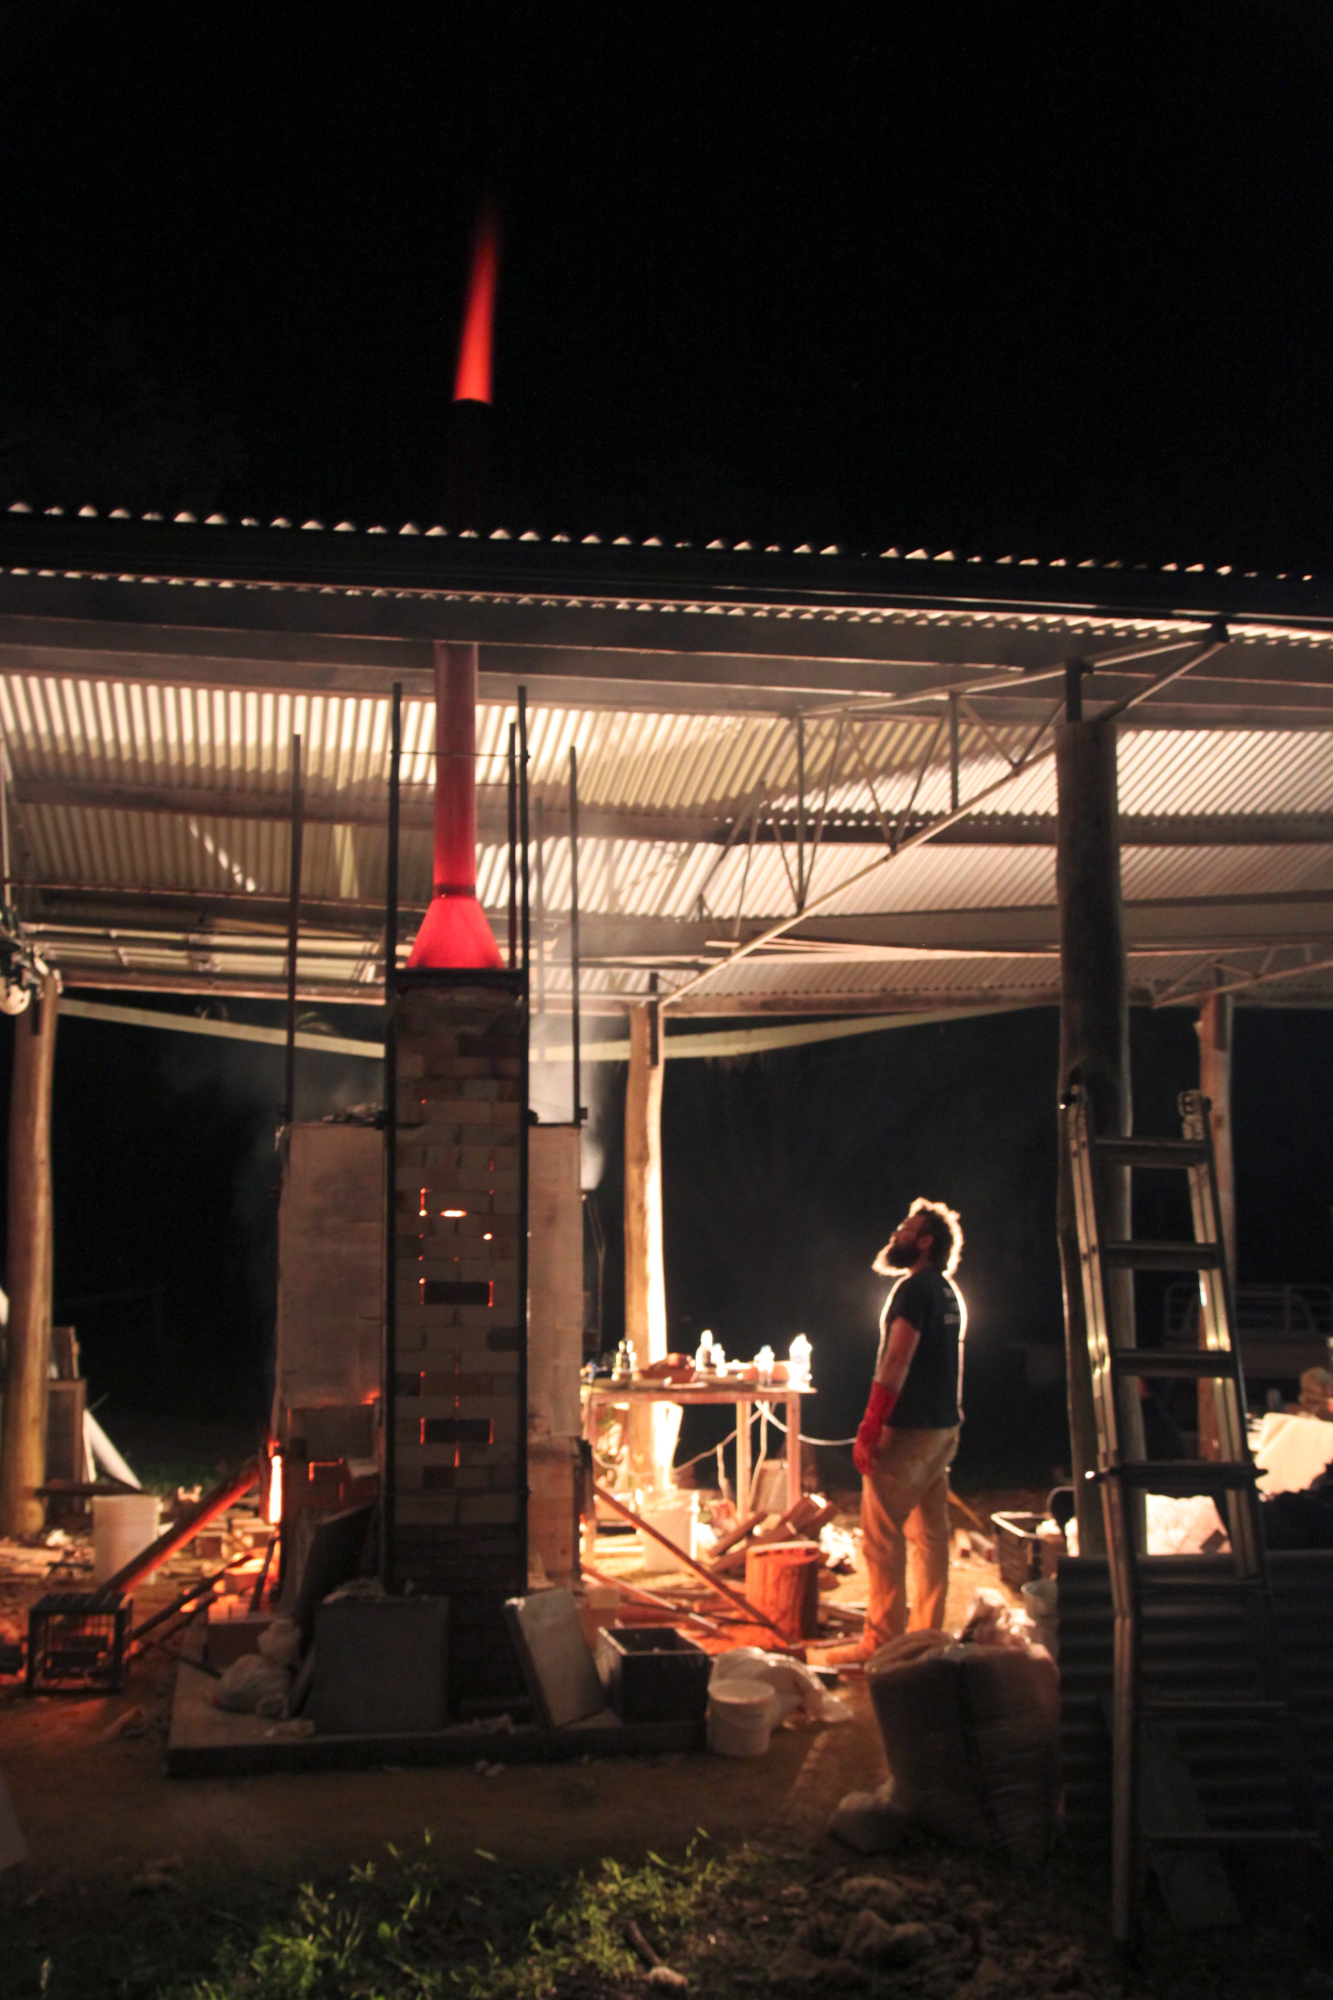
[899,1349]
[885,1390]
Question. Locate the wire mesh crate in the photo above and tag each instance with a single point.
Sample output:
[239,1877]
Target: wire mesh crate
[1018,1547]
[76,1642]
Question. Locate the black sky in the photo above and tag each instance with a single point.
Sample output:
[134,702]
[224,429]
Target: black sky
[992,276]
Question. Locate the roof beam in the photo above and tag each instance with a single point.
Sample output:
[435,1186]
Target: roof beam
[366,807]
[1192,924]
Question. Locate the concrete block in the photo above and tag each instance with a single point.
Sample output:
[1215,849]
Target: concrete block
[380,1665]
[557,1661]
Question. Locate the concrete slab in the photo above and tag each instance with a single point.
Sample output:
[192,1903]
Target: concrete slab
[207,1742]
[556,1658]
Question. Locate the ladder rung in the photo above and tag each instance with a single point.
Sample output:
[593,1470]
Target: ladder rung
[1142,1256]
[1150,1152]
[1186,1363]
[1229,1836]
[1184,1475]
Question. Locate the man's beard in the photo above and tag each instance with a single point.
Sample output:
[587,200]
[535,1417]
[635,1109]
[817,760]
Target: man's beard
[899,1256]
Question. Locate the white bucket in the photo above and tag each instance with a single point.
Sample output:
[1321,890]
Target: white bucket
[673,1515]
[124,1524]
[740,1717]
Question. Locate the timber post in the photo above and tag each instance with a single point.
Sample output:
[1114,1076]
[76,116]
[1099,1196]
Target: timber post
[645,1284]
[23,1436]
[1215,1024]
[1094,1047]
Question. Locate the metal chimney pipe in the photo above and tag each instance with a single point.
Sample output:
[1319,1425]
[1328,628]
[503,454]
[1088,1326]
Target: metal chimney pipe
[455,931]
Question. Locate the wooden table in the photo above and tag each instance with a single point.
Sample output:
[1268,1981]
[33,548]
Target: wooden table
[742,1395]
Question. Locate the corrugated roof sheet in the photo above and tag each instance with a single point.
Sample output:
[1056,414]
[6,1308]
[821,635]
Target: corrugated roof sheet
[93,730]
[818,546]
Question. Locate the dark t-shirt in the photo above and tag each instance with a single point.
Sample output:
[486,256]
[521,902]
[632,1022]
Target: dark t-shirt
[931,1398]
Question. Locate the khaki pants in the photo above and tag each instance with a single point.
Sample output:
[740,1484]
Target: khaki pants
[905,1502]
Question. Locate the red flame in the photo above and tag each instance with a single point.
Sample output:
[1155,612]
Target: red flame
[472,383]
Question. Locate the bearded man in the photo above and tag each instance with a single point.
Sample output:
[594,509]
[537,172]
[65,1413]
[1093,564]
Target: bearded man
[909,1434]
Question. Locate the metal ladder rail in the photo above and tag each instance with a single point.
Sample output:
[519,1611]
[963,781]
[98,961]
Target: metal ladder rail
[1231,1479]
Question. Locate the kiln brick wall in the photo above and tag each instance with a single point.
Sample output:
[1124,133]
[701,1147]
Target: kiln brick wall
[458,1414]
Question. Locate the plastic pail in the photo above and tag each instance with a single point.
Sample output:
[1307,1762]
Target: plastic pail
[740,1717]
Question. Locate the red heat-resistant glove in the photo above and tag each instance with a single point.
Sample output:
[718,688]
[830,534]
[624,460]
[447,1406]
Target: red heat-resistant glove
[878,1411]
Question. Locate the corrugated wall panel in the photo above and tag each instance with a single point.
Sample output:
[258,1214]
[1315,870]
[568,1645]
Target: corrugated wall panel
[1198,1647]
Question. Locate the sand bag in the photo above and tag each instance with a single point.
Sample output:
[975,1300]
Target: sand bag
[972,1738]
[253,1686]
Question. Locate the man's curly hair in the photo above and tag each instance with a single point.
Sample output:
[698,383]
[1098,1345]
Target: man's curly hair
[946,1233]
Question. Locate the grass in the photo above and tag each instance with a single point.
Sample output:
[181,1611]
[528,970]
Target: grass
[406,1927]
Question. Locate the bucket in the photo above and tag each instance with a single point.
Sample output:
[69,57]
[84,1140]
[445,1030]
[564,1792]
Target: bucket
[1041,1602]
[672,1514]
[124,1524]
[740,1717]
[782,1580]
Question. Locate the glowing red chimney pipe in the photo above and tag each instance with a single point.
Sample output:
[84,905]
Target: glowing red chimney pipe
[455,932]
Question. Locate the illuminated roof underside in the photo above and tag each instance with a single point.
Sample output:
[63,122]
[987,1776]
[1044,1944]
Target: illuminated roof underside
[759,734]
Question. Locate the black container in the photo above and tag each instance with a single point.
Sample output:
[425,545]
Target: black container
[653,1673]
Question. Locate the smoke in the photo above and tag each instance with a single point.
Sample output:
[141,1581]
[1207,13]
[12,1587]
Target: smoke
[599,1095]
[551,1089]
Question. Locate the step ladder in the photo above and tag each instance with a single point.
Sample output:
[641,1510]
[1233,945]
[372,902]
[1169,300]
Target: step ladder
[1138,1719]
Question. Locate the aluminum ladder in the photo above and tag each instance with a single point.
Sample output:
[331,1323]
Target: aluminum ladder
[1137,1718]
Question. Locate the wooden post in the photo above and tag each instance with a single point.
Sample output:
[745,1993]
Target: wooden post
[652,1428]
[1094,1043]
[1216,1019]
[23,1439]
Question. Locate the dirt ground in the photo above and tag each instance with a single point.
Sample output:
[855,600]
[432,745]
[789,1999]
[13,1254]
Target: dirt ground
[93,1803]
[105,1825]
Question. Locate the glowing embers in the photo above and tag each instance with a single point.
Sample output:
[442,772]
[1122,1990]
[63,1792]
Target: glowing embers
[446,1214]
[457,1291]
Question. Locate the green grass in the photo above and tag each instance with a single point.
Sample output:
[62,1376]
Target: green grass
[407,1927]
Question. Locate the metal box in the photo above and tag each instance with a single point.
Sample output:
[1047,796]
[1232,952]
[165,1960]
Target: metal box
[654,1673]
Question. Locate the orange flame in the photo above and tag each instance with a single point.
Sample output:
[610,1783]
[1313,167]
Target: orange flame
[472,383]
[274,1508]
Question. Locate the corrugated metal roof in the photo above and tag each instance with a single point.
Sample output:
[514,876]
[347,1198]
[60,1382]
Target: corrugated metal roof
[818,546]
[97,731]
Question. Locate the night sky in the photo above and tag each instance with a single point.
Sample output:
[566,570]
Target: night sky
[1003,279]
